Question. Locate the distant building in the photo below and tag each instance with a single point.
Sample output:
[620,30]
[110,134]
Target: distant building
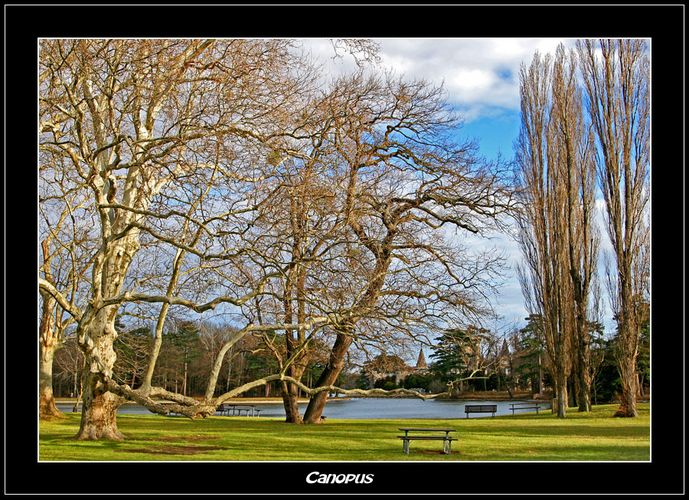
[388,366]
[421,362]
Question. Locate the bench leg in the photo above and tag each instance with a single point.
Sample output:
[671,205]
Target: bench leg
[405,446]
[447,447]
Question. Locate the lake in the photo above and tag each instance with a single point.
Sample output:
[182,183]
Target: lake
[372,408]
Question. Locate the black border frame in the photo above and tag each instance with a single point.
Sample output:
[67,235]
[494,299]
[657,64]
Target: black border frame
[24,24]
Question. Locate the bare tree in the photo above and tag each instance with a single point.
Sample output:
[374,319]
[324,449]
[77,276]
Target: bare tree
[558,235]
[542,221]
[137,121]
[616,82]
[576,164]
[403,183]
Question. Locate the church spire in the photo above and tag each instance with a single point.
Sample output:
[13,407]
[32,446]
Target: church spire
[421,362]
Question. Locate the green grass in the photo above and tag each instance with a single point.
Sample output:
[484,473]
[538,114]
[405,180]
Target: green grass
[594,436]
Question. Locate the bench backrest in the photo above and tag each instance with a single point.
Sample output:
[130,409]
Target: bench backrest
[480,408]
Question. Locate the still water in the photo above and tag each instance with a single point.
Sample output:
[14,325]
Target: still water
[371,408]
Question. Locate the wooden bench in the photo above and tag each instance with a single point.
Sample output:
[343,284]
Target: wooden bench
[446,439]
[236,410]
[480,409]
[524,406]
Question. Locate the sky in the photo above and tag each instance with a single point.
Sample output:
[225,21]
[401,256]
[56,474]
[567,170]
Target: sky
[481,79]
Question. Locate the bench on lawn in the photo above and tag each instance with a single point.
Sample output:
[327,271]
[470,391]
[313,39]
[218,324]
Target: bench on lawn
[446,439]
[236,410]
[480,409]
[526,405]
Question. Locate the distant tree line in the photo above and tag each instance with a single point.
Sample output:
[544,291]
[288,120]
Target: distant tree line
[188,350]
[475,359]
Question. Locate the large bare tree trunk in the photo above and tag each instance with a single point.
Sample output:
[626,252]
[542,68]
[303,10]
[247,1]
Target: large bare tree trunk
[99,413]
[98,417]
[314,410]
[96,335]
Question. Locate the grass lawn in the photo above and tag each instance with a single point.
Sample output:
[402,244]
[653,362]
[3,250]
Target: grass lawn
[594,436]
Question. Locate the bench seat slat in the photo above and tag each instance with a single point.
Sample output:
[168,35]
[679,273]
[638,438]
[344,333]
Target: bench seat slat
[428,438]
[421,429]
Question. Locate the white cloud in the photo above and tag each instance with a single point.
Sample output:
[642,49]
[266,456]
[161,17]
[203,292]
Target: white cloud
[472,80]
[479,75]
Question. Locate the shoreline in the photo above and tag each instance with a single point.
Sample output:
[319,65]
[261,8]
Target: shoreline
[237,401]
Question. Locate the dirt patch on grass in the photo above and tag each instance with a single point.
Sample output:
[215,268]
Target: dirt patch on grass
[192,438]
[198,437]
[173,450]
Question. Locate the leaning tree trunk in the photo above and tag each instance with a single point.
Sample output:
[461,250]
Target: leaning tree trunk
[99,413]
[314,410]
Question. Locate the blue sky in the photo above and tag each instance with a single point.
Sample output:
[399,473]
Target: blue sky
[494,134]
